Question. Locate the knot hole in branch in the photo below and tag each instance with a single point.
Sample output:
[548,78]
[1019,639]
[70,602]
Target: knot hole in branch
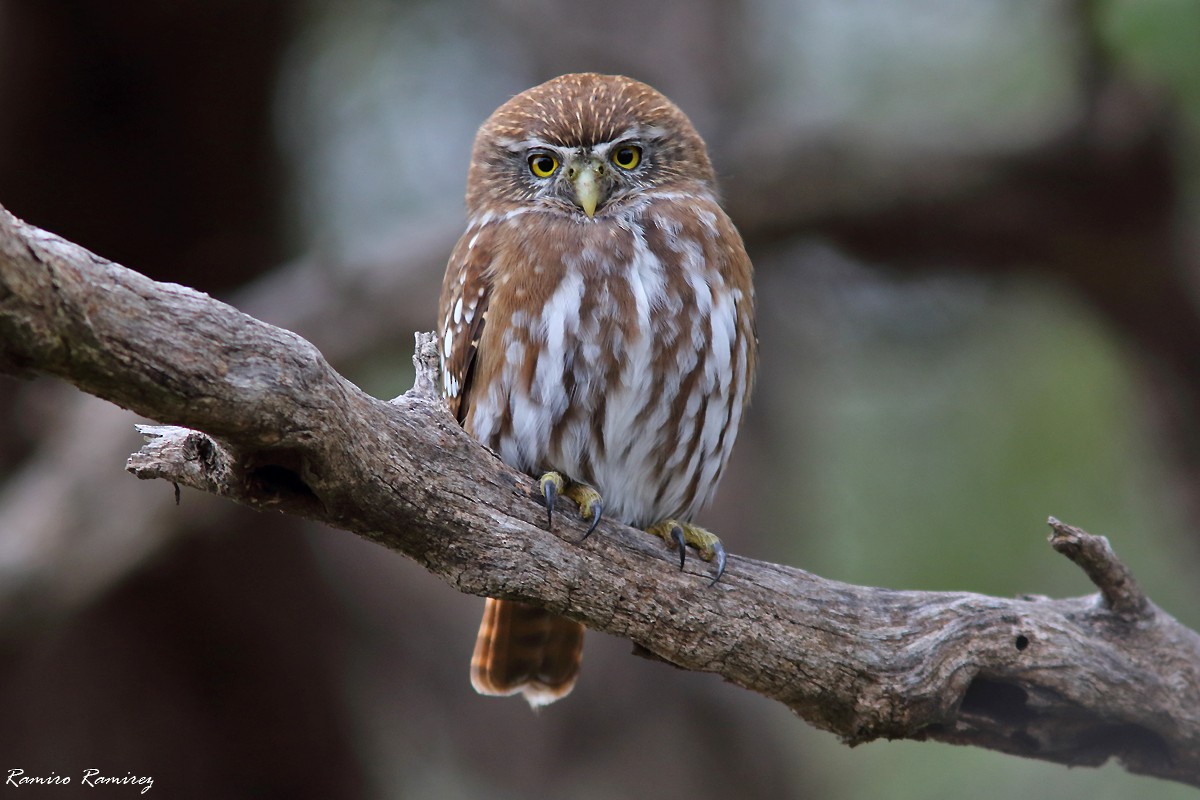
[277,474]
[997,700]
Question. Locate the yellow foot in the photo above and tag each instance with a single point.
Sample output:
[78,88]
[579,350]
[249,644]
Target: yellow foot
[683,534]
[591,505]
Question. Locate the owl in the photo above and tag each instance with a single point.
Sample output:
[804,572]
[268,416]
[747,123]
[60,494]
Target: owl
[596,331]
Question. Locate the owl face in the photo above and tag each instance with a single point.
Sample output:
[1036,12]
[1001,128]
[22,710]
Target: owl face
[586,178]
[584,145]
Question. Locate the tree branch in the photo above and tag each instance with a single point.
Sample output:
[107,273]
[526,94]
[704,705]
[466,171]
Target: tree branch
[1075,681]
[1096,558]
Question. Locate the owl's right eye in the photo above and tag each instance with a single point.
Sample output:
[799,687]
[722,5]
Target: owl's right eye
[543,165]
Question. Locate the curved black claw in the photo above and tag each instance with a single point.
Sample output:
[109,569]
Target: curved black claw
[677,535]
[549,494]
[597,510]
[719,554]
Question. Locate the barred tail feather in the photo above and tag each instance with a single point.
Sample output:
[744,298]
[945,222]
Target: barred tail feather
[522,648]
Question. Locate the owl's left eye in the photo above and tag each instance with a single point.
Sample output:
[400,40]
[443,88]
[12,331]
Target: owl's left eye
[627,156]
[542,165]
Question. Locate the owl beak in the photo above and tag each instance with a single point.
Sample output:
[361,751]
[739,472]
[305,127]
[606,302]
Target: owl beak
[585,177]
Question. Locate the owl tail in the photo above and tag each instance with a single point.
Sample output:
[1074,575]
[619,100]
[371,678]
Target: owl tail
[526,649]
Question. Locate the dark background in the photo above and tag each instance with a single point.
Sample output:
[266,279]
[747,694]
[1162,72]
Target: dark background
[975,227]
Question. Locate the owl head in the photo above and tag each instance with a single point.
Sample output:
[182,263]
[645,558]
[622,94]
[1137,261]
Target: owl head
[584,145]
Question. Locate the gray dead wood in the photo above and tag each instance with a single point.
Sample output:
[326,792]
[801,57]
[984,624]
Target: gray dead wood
[257,415]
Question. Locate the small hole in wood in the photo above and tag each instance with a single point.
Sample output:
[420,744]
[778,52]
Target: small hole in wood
[1022,642]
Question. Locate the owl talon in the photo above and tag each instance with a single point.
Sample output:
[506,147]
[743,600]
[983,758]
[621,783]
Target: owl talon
[597,510]
[719,551]
[684,534]
[552,486]
[677,535]
[591,505]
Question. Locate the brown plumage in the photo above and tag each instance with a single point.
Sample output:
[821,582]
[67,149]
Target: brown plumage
[597,330]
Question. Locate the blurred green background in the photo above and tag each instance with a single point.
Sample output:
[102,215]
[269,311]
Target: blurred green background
[976,233]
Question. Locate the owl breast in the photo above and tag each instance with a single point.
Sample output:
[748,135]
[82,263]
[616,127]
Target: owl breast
[617,351]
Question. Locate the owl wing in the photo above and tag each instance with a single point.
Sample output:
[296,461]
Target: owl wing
[520,648]
[466,290]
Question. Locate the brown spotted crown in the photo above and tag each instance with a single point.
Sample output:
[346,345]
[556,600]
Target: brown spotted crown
[581,112]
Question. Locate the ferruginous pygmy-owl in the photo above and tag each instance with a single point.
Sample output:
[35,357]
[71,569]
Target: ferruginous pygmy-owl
[597,331]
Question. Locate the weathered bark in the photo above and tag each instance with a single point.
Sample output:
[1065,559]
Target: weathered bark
[1075,681]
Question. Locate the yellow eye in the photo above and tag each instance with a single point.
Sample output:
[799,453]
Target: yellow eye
[627,156]
[543,165]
